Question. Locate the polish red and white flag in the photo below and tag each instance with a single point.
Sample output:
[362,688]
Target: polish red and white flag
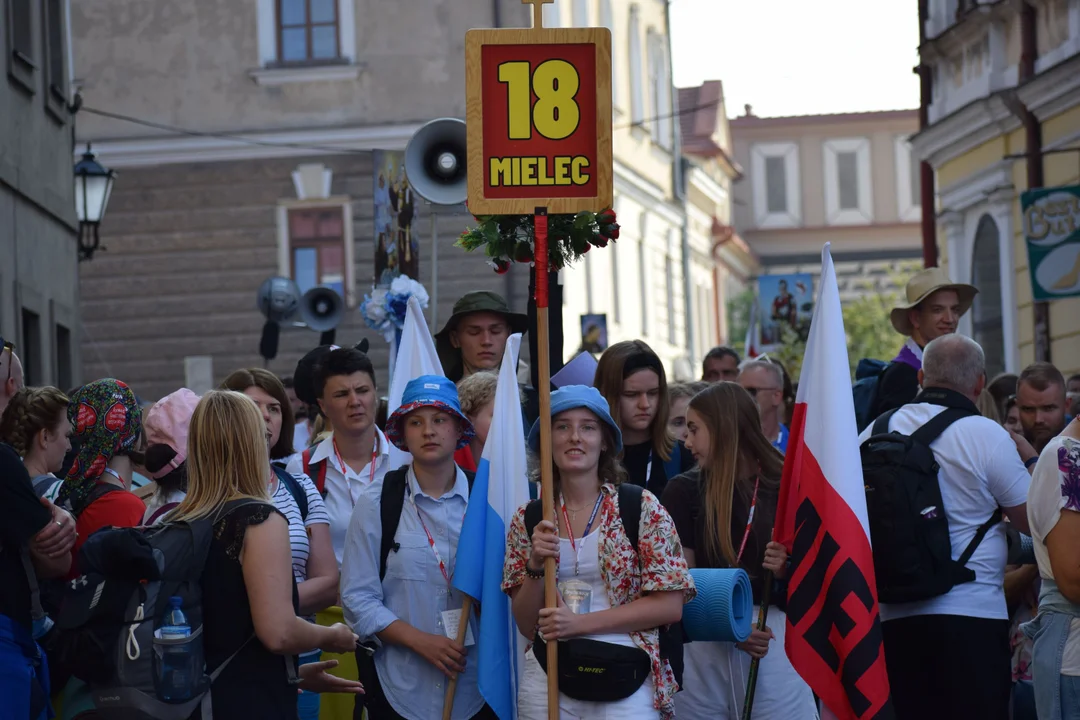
[833,627]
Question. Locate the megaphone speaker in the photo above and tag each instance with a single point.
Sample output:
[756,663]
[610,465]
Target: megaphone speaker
[435,162]
[322,309]
[278,299]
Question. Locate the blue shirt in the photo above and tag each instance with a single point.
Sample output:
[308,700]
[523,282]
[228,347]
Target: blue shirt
[413,591]
[780,443]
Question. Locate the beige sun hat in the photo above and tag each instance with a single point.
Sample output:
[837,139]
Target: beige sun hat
[921,286]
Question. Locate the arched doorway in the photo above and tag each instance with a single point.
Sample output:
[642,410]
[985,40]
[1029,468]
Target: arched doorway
[986,313]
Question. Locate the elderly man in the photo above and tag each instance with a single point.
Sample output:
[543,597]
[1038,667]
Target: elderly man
[953,648]
[934,306]
[474,338]
[765,383]
[11,373]
[720,363]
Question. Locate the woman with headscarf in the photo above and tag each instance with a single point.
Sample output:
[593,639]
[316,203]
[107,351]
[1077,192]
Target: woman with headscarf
[107,422]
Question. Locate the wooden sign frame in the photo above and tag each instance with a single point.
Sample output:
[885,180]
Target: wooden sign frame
[479,203]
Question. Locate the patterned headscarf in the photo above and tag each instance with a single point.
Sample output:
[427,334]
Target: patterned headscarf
[107,421]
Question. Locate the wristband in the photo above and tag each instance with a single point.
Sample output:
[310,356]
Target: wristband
[1031,461]
[534,574]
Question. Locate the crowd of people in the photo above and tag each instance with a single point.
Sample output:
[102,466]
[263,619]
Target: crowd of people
[316,498]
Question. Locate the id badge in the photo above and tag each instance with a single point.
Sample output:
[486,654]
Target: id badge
[450,621]
[577,595]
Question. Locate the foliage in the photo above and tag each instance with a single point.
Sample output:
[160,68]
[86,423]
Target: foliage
[507,239]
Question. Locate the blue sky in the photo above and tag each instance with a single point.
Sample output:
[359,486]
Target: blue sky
[798,57]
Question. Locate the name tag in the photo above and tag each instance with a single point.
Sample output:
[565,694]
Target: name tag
[451,621]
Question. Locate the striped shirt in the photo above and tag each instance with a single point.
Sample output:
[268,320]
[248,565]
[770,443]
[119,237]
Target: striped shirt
[298,537]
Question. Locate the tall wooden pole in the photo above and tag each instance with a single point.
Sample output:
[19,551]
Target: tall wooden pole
[763,616]
[547,492]
[462,633]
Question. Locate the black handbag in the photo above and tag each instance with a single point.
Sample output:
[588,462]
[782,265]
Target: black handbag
[596,671]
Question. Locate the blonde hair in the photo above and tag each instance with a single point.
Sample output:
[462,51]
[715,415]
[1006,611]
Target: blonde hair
[227,455]
[476,391]
[31,410]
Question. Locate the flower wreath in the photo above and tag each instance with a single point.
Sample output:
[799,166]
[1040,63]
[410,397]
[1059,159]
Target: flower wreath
[508,239]
[385,308]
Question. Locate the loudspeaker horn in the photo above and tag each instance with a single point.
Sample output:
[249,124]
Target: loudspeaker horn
[322,308]
[435,162]
[278,299]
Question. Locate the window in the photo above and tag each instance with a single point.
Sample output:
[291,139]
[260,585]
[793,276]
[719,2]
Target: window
[908,184]
[55,40]
[774,179]
[848,197]
[552,15]
[637,112]
[317,247]
[643,285]
[775,185]
[63,350]
[20,23]
[659,90]
[307,31]
[986,311]
[607,19]
[30,348]
[581,13]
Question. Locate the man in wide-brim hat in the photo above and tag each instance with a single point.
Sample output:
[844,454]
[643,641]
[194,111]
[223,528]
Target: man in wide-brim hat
[934,306]
[474,338]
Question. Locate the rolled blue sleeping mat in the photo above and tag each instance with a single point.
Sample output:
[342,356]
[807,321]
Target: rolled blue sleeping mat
[723,608]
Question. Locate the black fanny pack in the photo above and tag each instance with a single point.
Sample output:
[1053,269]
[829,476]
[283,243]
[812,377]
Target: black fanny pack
[596,671]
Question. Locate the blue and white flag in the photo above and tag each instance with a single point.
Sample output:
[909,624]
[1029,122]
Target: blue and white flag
[500,488]
[415,355]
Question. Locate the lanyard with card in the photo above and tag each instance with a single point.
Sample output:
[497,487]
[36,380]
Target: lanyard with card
[345,468]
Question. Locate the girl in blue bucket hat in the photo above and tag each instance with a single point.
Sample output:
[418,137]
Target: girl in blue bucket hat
[406,600]
[613,597]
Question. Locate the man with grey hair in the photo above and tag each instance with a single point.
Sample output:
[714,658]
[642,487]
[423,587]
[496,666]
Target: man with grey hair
[765,383]
[11,373]
[968,672]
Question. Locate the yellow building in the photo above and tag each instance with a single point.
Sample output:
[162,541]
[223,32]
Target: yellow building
[994,65]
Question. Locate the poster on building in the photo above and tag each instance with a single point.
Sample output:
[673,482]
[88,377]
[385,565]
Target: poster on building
[593,333]
[396,245]
[1052,232]
[785,302]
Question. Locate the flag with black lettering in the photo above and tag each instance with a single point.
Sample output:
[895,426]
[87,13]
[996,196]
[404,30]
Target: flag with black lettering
[833,628]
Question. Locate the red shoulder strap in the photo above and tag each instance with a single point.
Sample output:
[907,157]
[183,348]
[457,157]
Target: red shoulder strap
[320,477]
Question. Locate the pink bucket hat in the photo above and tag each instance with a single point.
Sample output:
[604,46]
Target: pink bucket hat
[167,424]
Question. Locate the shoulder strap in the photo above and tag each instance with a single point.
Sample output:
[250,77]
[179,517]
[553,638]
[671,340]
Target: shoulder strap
[630,510]
[979,535]
[294,488]
[392,500]
[319,478]
[470,477]
[160,512]
[881,425]
[534,513]
[673,465]
[929,432]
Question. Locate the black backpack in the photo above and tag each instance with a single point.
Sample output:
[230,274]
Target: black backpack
[107,622]
[909,528]
[671,637]
[294,487]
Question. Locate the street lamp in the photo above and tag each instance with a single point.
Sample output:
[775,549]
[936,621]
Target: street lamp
[93,185]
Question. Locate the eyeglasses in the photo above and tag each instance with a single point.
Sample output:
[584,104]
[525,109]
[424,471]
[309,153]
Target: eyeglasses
[754,391]
[10,346]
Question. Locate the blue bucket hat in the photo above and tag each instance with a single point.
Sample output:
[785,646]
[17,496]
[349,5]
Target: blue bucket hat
[570,397]
[428,391]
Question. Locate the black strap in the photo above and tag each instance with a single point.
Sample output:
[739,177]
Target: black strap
[930,432]
[392,501]
[979,535]
[294,488]
[881,425]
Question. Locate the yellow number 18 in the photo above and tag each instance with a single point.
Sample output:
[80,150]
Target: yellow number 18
[555,114]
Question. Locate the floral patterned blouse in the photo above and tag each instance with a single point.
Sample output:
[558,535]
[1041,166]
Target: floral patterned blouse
[658,566]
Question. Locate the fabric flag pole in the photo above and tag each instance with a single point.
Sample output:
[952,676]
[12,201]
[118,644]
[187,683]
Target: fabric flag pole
[833,626]
[415,355]
[500,488]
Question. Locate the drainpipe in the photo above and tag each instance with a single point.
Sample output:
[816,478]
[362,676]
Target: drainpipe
[1033,150]
[926,173]
[496,13]
[679,171]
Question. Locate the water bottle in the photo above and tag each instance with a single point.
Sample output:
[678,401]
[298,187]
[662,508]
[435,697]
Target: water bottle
[177,677]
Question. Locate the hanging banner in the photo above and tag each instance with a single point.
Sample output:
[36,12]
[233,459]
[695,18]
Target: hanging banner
[1052,232]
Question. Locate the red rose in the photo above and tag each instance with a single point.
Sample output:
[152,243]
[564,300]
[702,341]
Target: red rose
[601,241]
[523,253]
[587,248]
[501,267]
[614,233]
[606,217]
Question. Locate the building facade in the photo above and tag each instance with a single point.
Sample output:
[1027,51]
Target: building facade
[655,283]
[847,179]
[244,136]
[39,286]
[1005,80]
